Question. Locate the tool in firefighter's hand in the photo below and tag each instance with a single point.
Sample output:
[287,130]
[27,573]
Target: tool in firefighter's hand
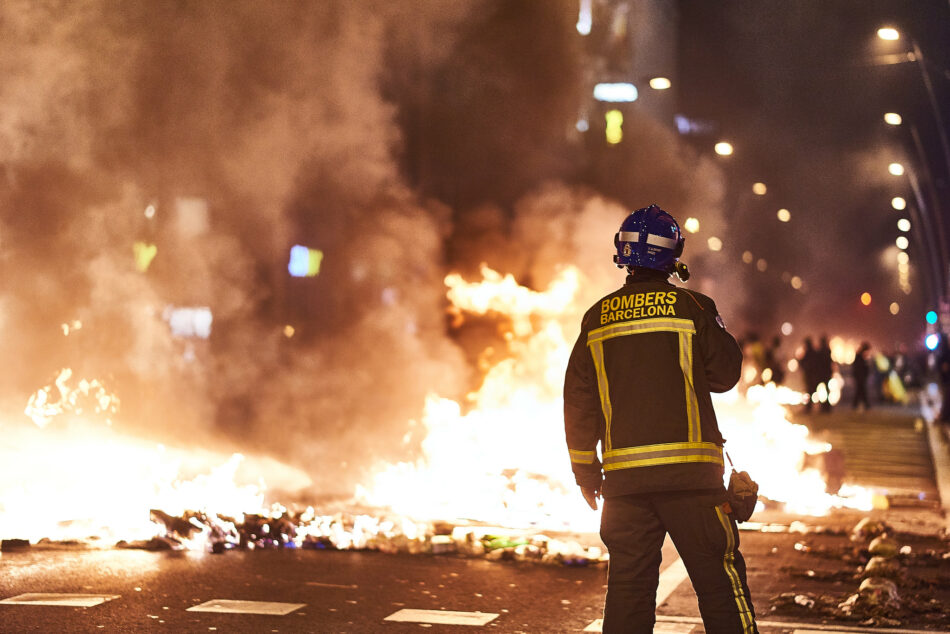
[591,495]
[742,494]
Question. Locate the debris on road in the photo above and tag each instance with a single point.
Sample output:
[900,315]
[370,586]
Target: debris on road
[891,578]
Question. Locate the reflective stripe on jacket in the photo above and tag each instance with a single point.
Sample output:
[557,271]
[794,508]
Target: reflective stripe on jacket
[638,386]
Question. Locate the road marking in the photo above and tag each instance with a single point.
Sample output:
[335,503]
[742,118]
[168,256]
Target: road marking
[57,598]
[672,628]
[351,586]
[670,579]
[441,617]
[228,606]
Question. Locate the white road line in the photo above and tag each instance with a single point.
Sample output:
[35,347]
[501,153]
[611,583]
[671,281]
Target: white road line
[670,579]
[351,586]
[228,606]
[672,628]
[57,598]
[441,617]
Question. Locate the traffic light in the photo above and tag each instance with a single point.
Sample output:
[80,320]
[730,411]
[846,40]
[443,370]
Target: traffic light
[304,262]
[931,317]
[614,126]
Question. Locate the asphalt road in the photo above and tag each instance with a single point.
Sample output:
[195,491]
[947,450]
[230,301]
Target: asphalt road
[343,591]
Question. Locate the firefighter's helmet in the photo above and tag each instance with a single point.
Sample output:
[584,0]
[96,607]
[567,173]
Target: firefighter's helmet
[650,238]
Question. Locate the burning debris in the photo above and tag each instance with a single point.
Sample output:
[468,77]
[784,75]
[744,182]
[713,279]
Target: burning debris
[345,531]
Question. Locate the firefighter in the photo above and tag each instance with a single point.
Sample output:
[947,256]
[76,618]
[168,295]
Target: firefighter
[638,385]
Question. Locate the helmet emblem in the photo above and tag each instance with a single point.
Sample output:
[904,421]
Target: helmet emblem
[627,250]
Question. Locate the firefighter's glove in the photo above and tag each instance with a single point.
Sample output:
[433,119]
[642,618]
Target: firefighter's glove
[591,495]
[743,493]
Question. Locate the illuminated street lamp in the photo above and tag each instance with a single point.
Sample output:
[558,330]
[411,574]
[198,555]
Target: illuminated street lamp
[902,242]
[888,33]
[723,148]
[903,224]
[896,169]
[660,83]
[892,118]
[898,203]
[759,189]
[784,215]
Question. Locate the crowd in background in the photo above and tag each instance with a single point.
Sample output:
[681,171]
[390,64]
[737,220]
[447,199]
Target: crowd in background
[873,377]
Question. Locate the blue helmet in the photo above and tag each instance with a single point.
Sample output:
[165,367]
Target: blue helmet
[650,238]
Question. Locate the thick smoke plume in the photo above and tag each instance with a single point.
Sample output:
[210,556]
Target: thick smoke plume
[403,140]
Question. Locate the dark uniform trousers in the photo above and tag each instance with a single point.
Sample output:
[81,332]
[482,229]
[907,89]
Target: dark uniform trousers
[633,528]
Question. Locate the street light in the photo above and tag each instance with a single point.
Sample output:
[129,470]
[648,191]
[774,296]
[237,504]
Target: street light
[898,203]
[892,34]
[660,83]
[888,33]
[723,148]
[892,118]
[896,169]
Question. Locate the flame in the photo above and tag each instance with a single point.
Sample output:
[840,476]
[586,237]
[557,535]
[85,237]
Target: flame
[501,456]
[496,456]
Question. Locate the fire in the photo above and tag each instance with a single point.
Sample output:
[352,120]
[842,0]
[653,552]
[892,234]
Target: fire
[497,456]
[43,406]
[501,456]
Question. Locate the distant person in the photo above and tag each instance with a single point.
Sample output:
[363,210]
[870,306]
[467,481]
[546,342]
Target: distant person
[825,370]
[638,386]
[808,363]
[773,362]
[860,371]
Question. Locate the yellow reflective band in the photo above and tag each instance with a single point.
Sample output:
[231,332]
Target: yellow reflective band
[582,457]
[666,453]
[692,403]
[597,352]
[685,328]
[624,328]
[728,564]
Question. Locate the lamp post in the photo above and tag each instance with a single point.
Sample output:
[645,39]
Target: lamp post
[892,34]
[934,210]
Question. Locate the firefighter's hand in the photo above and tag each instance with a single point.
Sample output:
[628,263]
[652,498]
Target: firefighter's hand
[590,495]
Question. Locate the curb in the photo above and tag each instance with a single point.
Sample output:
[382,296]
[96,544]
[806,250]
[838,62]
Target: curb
[939,452]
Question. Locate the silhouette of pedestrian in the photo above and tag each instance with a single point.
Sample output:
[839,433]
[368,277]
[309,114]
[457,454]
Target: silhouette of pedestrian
[809,366]
[860,370]
[824,372]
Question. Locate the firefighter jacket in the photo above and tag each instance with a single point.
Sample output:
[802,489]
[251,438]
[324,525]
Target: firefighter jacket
[638,384]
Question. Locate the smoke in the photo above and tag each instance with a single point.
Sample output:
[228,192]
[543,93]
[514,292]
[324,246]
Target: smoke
[400,139]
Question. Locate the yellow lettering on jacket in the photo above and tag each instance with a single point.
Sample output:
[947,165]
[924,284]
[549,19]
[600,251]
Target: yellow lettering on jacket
[637,312]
